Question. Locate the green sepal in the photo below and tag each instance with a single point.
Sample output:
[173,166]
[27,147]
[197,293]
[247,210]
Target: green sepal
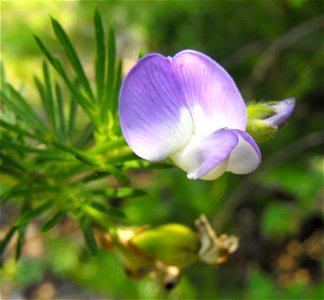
[260,111]
[260,131]
[256,127]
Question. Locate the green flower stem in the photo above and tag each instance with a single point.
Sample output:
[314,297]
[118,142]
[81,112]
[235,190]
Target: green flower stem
[108,145]
[80,155]
[103,163]
[142,164]
[120,158]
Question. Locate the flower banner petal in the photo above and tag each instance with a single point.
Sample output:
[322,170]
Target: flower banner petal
[211,93]
[206,157]
[246,156]
[153,115]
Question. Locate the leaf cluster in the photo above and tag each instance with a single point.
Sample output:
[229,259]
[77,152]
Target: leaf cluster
[68,158]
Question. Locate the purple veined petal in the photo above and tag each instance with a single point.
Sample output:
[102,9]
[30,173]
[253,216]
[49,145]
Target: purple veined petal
[206,157]
[283,111]
[246,156]
[173,106]
[153,113]
[212,95]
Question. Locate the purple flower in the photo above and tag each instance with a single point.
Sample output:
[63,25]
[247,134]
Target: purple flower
[187,108]
[283,110]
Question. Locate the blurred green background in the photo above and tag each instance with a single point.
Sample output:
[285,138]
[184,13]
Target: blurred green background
[273,50]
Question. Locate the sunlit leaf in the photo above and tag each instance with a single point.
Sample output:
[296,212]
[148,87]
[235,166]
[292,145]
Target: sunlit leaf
[100,57]
[117,86]
[140,53]
[108,100]
[85,104]
[61,114]
[73,57]
[20,130]
[72,117]
[49,97]
[22,109]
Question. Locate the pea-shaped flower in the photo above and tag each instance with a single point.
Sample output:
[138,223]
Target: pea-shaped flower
[187,108]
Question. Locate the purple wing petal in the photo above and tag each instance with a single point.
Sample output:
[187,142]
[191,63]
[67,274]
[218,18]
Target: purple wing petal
[206,157]
[283,110]
[211,93]
[153,115]
[246,156]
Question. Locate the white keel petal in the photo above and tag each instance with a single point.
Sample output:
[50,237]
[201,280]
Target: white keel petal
[246,156]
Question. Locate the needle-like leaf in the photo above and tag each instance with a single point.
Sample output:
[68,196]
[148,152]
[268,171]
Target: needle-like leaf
[116,89]
[5,241]
[32,214]
[85,137]
[118,174]
[50,103]
[73,57]
[82,100]
[107,209]
[22,109]
[88,234]
[107,105]
[22,229]
[100,57]
[54,220]
[72,118]
[17,129]
[123,192]
[61,114]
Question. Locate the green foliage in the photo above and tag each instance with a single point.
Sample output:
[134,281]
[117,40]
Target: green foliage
[33,267]
[279,220]
[305,184]
[56,163]
[261,287]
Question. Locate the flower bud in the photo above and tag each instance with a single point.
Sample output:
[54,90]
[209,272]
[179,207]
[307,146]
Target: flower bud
[172,244]
[283,110]
[165,250]
[265,118]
